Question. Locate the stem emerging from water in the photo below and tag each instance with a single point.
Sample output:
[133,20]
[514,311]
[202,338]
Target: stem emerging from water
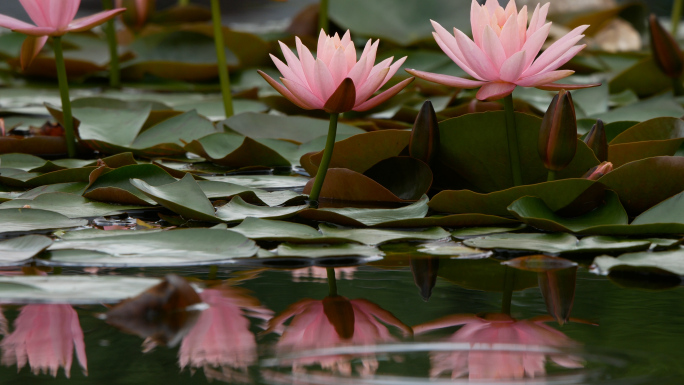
[332,282]
[64,93]
[509,284]
[327,156]
[110,30]
[323,22]
[512,133]
[224,76]
[551,177]
[676,16]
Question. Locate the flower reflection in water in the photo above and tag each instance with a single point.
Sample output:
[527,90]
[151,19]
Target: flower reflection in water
[221,342]
[489,358]
[45,336]
[320,274]
[332,322]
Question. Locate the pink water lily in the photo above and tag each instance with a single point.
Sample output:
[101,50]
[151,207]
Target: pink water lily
[503,53]
[52,18]
[311,83]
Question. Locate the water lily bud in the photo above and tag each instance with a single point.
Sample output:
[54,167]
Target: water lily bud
[340,313]
[597,172]
[343,99]
[424,272]
[558,289]
[425,134]
[558,133]
[596,140]
[666,52]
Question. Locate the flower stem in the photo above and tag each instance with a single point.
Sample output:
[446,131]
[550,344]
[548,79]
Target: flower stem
[676,16]
[224,76]
[327,156]
[512,133]
[323,22]
[64,93]
[332,282]
[551,177]
[183,3]
[110,30]
[509,285]
[677,87]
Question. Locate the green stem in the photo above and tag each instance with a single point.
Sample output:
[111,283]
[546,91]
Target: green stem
[551,177]
[183,3]
[676,16]
[677,87]
[327,156]
[224,76]
[332,282]
[110,30]
[64,93]
[512,133]
[509,284]
[323,23]
[213,272]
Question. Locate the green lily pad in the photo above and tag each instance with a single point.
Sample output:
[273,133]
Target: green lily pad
[237,210]
[458,220]
[264,181]
[647,109]
[655,137]
[669,261]
[223,190]
[378,236]
[359,217]
[16,251]
[557,243]
[669,211]
[22,179]
[407,178]
[342,184]
[19,220]
[480,155]
[115,186]
[319,251]
[452,249]
[470,232]
[81,234]
[167,248]
[214,108]
[76,188]
[270,230]
[183,197]
[644,78]
[534,212]
[233,150]
[69,205]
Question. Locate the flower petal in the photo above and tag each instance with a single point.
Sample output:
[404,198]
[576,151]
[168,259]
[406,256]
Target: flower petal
[88,22]
[495,91]
[294,63]
[572,52]
[534,43]
[338,66]
[350,54]
[284,69]
[556,50]
[385,64]
[475,25]
[447,42]
[522,23]
[384,96]
[303,94]
[308,63]
[322,39]
[60,13]
[393,69]
[367,89]
[491,45]
[567,87]
[510,37]
[323,79]
[25,28]
[36,12]
[475,58]
[30,49]
[447,80]
[538,19]
[453,57]
[544,78]
[284,91]
[356,73]
[513,67]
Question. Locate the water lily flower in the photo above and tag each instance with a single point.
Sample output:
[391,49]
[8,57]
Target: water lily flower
[487,359]
[45,336]
[503,52]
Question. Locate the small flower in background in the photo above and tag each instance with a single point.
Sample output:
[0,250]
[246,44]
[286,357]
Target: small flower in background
[597,172]
[311,83]
[503,52]
[45,337]
[137,11]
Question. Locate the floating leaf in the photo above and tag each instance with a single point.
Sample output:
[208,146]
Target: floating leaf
[644,78]
[378,236]
[115,186]
[346,185]
[670,211]
[656,137]
[183,197]
[469,232]
[265,181]
[655,107]
[223,190]
[540,263]
[19,220]
[669,261]
[319,251]
[556,243]
[16,251]
[232,150]
[452,249]
[264,229]
[359,217]
[237,210]
[70,205]
[406,177]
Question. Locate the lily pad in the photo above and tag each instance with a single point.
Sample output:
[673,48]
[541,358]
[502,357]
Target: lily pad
[379,236]
[656,137]
[647,109]
[233,150]
[346,185]
[16,251]
[669,261]
[167,248]
[557,243]
[115,187]
[359,217]
[223,190]
[470,232]
[644,78]
[670,211]
[264,181]
[183,197]
[20,220]
[318,251]
[452,249]
[237,210]
[69,205]
[270,230]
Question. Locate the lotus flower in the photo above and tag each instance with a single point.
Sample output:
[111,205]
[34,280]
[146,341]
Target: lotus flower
[503,52]
[332,322]
[52,18]
[486,361]
[45,336]
[221,338]
[320,83]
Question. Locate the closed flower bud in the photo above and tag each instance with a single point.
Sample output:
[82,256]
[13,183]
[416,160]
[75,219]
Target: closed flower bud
[666,51]
[597,172]
[596,140]
[558,134]
[425,135]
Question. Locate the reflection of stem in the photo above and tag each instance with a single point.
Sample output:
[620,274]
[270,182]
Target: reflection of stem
[323,23]
[224,76]
[327,156]
[183,3]
[64,93]
[677,87]
[509,284]
[114,73]
[213,272]
[551,177]
[676,16]
[512,133]
[332,282]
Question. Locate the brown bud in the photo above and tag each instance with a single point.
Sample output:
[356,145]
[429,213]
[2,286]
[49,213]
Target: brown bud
[597,172]
[666,52]
[425,134]
[343,99]
[596,140]
[558,134]
[424,272]
[340,313]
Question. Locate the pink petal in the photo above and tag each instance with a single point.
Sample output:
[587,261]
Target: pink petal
[510,37]
[451,81]
[308,63]
[356,73]
[534,44]
[538,19]
[370,86]
[384,96]
[284,91]
[533,21]
[495,91]
[370,60]
[30,49]
[556,50]
[323,79]
[385,64]
[322,39]
[475,58]
[294,63]
[328,51]
[60,13]
[338,67]
[475,24]
[567,87]
[285,70]
[513,67]
[88,22]
[311,101]
[350,54]
[393,69]
[453,57]
[25,28]
[37,11]
[544,78]
[567,56]
[346,39]
[492,5]
[493,48]
[522,23]
[511,9]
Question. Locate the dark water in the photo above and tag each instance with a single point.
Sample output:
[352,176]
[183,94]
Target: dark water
[616,335]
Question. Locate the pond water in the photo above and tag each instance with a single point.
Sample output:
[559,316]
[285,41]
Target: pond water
[615,335]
